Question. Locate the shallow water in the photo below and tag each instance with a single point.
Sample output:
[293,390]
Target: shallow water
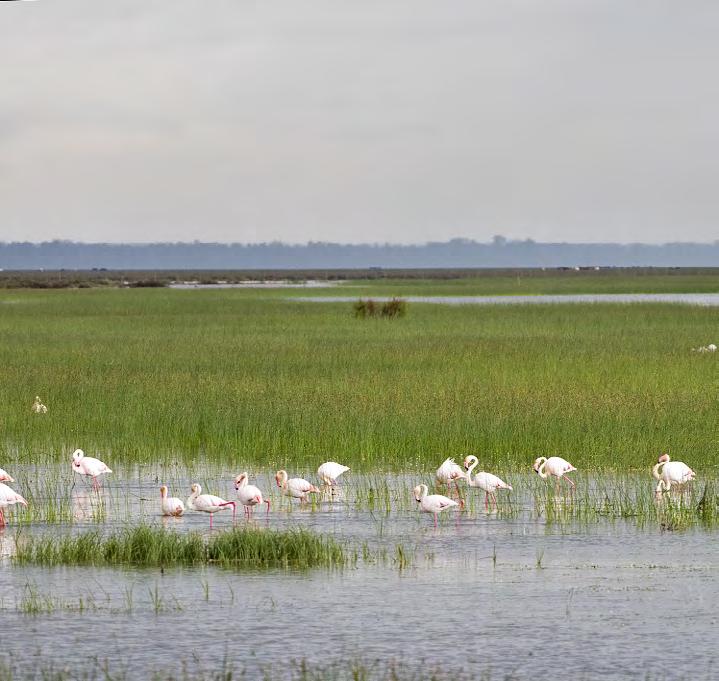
[506,592]
[705,299]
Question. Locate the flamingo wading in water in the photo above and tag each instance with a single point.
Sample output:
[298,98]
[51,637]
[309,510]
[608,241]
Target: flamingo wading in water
[208,503]
[669,473]
[297,488]
[328,472]
[556,466]
[450,472]
[87,465]
[8,497]
[432,503]
[486,481]
[171,505]
[249,495]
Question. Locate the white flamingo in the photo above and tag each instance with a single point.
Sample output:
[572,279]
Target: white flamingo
[5,477]
[554,465]
[208,503]
[171,505]
[329,471]
[8,497]
[432,503]
[298,488]
[87,465]
[38,407]
[249,495]
[669,473]
[485,481]
[450,472]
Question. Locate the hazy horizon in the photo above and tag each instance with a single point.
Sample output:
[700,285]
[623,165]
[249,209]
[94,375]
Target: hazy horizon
[405,121]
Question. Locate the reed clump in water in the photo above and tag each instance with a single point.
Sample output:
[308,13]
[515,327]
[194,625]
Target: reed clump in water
[145,546]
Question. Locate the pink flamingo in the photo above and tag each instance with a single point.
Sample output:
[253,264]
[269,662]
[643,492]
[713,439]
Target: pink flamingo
[670,473]
[485,481]
[556,466]
[208,503]
[297,488]
[171,505]
[432,503]
[249,495]
[448,473]
[8,497]
[86,465]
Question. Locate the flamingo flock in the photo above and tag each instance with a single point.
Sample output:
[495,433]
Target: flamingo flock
[668,474]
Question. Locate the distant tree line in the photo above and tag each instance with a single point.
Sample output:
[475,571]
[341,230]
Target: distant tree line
[466,253]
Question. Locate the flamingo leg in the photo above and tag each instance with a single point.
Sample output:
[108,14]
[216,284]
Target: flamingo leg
[494,499]
[210,520]
[95,484]
[268,506]
[486,501]
[2,518]
[435,520]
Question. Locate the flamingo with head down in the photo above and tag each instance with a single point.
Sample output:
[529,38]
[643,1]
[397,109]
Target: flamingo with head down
[450,472]
[669,473]
[554,466]
[432,503]
[297,488]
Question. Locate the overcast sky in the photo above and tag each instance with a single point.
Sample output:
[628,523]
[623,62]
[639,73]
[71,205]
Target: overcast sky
[369,120]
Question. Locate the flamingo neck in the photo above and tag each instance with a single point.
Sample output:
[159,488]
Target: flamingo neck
[475,463]
[540,471]
[656,472]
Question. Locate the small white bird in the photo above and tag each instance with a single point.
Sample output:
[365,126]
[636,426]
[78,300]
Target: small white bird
[486,481]
[87,465]
[208,503]
[171,505]
[249,495]
[8,497]
[669,473]
[711,347]
[450,472]
[329,471]
[5,477]
[38,407]
[298,488]
[432,503]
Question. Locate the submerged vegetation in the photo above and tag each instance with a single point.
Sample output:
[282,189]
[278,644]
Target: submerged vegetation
[145,546]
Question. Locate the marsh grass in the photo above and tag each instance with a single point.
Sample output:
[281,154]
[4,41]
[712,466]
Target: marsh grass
[145,546]
[140,375]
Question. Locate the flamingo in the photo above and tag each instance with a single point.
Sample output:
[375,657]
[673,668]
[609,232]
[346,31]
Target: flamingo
[171,505]
[432,503]
[5,477]
[38,407]
[486,481]
[86,465]
[449,471]
[208,503]
[329,471]
[669,473]
[298,488]
[556,466]
[249,495]
[8,497]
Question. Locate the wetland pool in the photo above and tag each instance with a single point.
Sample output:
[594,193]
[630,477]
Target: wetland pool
[507,594]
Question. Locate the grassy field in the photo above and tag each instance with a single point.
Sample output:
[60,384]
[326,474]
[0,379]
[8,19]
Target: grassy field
[249,377]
